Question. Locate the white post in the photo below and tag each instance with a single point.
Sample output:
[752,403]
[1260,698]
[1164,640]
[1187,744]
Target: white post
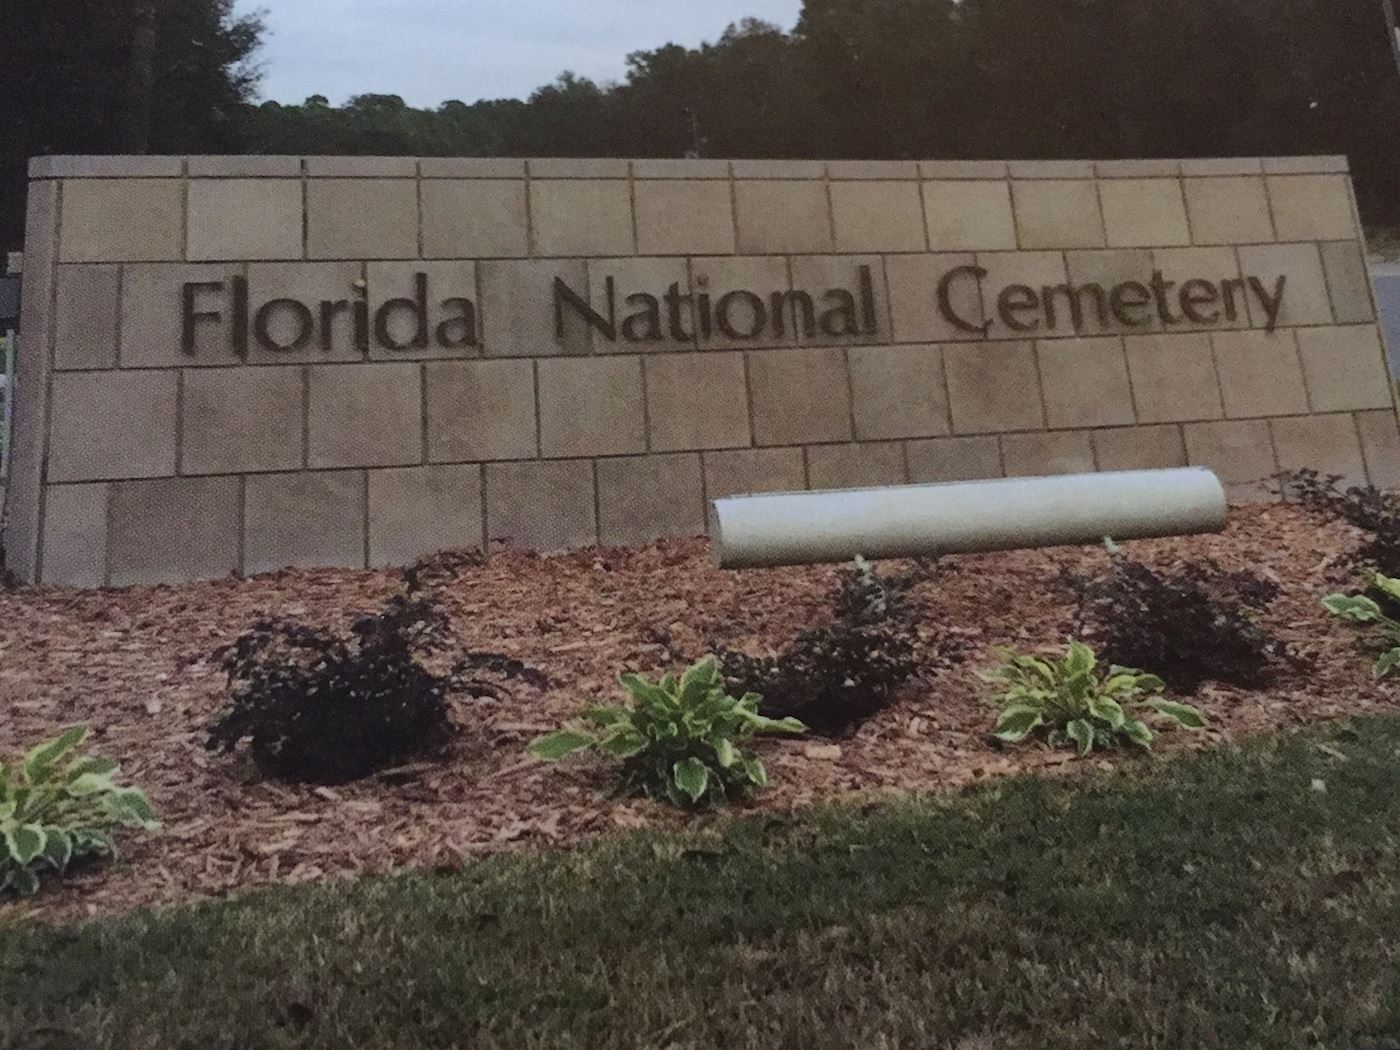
[806,527]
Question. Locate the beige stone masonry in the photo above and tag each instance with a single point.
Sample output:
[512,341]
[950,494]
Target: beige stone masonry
[244,219]
[953,459]
[643,498]
[301,520]
[169,529]
[684,217]
[418,511]
[855,466]
[382,435]
[475,219]
[545,506]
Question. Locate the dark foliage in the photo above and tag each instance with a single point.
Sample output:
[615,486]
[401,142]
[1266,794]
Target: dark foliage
[1188,624]
[1364,506]
[321,708]
[835,677]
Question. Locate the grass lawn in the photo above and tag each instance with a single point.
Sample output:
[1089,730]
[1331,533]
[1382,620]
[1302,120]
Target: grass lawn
[1245,897]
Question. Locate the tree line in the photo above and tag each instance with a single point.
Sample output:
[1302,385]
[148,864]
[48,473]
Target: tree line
[853,78]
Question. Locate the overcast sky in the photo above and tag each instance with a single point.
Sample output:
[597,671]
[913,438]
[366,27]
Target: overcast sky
[432,50]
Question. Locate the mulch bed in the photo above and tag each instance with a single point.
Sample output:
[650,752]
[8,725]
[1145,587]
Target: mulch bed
[137,666]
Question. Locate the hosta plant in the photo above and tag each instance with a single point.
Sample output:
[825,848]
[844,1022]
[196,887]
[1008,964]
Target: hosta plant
[678,739]
[1359,608]
[57,807]
[1070,700]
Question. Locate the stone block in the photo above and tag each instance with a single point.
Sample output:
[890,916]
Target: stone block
[1380,443]
[1144,213]
[112,425]
[1240,451]
[1173,378]
[578,168]
[1306,165]
[445,329]
[1139,448]
[105,166]
[676,168]
[779,169]
[1041,455]
[170,530]
[1215,166]
[341,284]
[1107,270]
[1145,167]
[313,519]
[855,466]
[684,217]
[953,459]
[748,471]
[364,415]
[764,276]
[541,506]
[782,217]
[244,219]
[962,169]
[481,410]
[1312,207]
[220,166]
[241,420]
[1051,169]
[1326,444]
[361,167]
[644,325]
[993,387]
[591,407]
[75,536]
[24,493]
[1348,282]
[913,297]
[418,511]
[845,310]
[800,396]
[1058,213]
[475,219]
[122,220]
[1216,265]
[969,215]
[1085,382]
[1260,374]
[361,218]
[643,498]
[517,318]
[898,392]
[878,216]
[878,170]
[1228,210]
[151,322]
[1344,368]
[697,401]
[1037,270]
[471,168]
[581,217]
[88,301]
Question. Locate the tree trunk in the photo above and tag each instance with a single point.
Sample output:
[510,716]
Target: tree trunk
[135,132]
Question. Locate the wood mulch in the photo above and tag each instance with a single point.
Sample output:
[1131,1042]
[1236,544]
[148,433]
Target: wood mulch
[137,666]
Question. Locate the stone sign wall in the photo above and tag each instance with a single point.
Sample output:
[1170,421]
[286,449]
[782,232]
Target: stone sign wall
[244,363]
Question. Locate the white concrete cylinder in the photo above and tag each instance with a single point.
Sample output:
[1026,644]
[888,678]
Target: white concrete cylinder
[798,528]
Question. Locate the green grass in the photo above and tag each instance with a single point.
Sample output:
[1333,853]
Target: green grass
[1217,901]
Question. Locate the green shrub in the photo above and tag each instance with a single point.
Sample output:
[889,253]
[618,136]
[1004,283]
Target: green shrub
[52,816]
[1358,608]
[1071,700]
[678,740]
